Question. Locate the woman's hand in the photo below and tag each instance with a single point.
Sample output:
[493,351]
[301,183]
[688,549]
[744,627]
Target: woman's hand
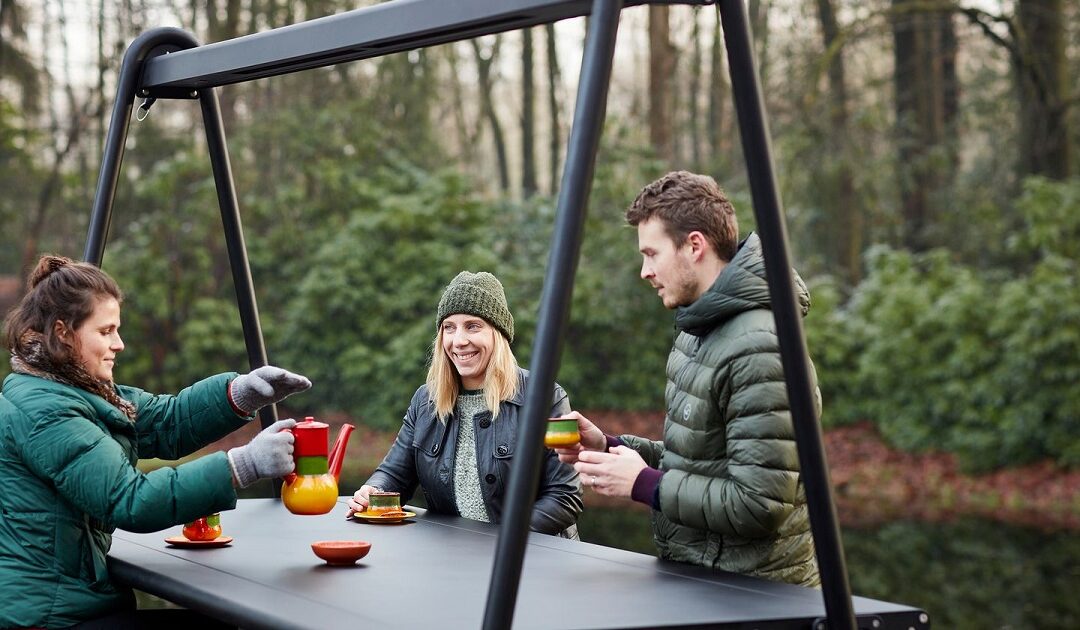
[359,500]
[592,439]
[268,384]
[268,454]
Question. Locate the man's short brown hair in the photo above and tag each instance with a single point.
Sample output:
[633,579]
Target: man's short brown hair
[688,202]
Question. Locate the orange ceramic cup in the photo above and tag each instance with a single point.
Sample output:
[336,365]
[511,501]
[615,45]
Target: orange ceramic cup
[205,528]
[561,432]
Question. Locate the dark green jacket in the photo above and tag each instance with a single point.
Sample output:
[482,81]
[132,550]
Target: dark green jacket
[68,479]
[730,497]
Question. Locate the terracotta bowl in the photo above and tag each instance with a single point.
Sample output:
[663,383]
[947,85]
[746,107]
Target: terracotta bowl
[341,552]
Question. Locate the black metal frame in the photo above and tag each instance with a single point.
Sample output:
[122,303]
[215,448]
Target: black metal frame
[170,63]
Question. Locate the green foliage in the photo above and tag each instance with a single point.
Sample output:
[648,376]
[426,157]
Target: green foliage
[610,303]
[355,224]
[1039,363]
[171,261]
[941,357]
[1051,211]
[832,350]
[362,320]
[18,175]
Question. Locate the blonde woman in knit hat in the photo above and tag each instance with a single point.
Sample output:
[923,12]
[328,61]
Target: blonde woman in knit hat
[459,435]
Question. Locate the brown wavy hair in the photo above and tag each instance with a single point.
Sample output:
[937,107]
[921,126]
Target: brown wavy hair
[59,289]
[687,202]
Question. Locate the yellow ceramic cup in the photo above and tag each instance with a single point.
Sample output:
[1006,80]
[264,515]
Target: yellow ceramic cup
[379,502]
[561,432]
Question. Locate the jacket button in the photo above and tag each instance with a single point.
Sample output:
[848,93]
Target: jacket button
[434,449]
[485,423]
[502,450]
[490,478]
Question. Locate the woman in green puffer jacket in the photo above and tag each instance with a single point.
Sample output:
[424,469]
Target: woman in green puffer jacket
[70,438]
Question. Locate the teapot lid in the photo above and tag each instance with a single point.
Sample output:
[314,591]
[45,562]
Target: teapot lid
[311,423]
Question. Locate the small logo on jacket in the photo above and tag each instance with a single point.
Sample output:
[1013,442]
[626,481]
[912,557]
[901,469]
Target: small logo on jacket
[686,412]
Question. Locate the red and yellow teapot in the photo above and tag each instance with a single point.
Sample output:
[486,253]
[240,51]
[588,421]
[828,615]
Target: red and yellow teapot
[313,487]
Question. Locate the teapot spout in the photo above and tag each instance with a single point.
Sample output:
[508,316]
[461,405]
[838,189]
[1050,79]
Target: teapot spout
[337,455]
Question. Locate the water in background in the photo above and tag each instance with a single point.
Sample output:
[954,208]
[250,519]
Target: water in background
[970,574]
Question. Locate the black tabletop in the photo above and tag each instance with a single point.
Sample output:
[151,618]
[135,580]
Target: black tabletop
[433,572]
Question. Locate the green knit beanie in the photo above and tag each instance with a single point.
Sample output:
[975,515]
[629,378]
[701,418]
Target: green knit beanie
[479,294]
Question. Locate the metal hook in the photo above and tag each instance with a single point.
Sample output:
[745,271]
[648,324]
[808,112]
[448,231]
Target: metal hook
[144,108]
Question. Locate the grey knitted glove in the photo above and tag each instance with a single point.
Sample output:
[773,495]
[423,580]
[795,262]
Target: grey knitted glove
[262,386]
[268,454]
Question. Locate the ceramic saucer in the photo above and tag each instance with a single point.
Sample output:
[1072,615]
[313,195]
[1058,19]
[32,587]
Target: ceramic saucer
[180,541]
[368,517]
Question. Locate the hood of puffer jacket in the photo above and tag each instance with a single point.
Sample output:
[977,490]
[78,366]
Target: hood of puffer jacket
[740,287]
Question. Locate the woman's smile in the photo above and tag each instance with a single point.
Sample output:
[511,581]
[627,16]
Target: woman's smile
[468,341]
[464,356]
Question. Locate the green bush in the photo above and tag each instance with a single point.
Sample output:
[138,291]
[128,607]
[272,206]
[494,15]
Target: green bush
[363,315]
[979,363]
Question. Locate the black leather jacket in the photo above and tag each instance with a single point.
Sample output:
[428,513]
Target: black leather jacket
[423,454]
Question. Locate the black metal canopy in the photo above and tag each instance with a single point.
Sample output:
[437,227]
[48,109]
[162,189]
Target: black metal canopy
[170,63]
[364,33]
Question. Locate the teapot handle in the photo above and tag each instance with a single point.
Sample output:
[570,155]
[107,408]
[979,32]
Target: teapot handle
[291,477]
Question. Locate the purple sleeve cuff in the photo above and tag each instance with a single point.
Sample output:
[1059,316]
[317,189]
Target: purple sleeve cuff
[613,441]
[646,487]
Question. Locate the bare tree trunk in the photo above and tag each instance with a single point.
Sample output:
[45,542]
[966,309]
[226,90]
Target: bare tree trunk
[695,92]
[35,223]
[718,92]
[925,81]
[845,241]
[1042,80]
[661,82]
[466,141]
[220,30]
[77,116]
[758,14]
[528,117]
[6,8]
[484,61]
[908,82]
[554,79]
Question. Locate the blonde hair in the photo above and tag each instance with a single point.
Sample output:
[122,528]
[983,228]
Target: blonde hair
[500,378]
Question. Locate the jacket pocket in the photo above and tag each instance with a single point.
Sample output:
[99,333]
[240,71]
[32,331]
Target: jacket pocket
[430,459]
[26,537]
[74,549]
[429,436]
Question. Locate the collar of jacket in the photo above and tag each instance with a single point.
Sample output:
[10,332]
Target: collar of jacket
[518,399]
[439,443]
[740,287]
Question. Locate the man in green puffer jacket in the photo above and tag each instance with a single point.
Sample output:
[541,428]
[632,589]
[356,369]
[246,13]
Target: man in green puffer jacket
[724,483]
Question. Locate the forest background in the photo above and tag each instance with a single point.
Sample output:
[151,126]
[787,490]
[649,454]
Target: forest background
[925,150]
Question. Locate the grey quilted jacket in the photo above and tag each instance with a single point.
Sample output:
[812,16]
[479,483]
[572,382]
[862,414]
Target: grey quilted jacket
[731,497]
